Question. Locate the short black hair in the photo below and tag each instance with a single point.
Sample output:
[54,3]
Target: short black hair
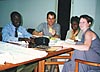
[15,13]
[51,13]
[75,19]
[87,17]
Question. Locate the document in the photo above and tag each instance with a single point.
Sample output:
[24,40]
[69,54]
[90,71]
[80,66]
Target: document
[70,41]
[15,54]
[57,42]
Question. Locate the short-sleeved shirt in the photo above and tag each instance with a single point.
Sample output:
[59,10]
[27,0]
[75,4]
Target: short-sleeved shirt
[43,27]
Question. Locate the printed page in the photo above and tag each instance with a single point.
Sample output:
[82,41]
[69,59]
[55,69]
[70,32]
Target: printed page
[16,54]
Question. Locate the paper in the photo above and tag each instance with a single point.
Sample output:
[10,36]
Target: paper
[70,41]
[58,42]
[53,41]
[2,57]
[21,43]
[55,48]
[16,54]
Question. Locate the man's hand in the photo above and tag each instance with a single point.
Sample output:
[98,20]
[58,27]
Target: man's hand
[40,34]
[52,31]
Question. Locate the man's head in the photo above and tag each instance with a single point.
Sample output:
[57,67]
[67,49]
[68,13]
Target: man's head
[51,18]
[75,23]
[16,19]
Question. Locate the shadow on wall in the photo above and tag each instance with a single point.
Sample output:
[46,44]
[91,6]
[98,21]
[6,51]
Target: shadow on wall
[0,33]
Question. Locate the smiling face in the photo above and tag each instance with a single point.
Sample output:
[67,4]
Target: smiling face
[16,19]
[75,25]
[50,20]
[83,24]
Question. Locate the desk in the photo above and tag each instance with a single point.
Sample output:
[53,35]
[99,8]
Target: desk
[50,54]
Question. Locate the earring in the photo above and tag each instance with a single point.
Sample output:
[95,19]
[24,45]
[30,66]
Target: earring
[89,22]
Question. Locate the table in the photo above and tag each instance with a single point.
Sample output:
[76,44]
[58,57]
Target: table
[50,54]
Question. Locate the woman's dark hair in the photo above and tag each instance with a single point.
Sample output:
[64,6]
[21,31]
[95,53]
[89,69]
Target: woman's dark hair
[88,18]
[51,13]
[75,19]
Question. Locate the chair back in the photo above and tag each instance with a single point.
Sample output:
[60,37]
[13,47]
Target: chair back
[77,61]
[53,62]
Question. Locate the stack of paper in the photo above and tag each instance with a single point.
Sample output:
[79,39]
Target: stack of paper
[59,42]
[15,54]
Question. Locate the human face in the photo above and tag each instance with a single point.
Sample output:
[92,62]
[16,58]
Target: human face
[16,21]
[83,24]
[74,25]
[50,20]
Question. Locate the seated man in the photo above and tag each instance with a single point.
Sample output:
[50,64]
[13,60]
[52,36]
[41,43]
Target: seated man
[49,28]
[15,32]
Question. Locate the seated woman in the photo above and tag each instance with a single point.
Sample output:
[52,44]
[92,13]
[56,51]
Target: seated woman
[88,49]
[74,33]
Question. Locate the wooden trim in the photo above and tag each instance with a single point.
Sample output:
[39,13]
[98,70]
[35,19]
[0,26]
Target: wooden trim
[77,61]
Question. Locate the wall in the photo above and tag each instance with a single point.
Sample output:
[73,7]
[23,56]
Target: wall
[97,18]
[80,7]
[90,7]
[33,11]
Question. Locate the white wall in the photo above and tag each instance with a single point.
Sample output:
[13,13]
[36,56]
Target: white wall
[90,7]
[97,18]
[80,7]
[33,11]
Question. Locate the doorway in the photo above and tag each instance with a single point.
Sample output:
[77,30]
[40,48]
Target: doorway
[64,7]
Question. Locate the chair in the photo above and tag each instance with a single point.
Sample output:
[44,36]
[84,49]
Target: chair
[45,62]
[77,61]
[59,62]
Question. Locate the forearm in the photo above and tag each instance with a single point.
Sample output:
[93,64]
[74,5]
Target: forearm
[80,47]
[35,33]
[83,47]
[8,39]
[56,36]
[38,33]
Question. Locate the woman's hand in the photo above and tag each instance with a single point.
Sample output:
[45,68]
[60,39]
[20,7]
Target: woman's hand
[65,45]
